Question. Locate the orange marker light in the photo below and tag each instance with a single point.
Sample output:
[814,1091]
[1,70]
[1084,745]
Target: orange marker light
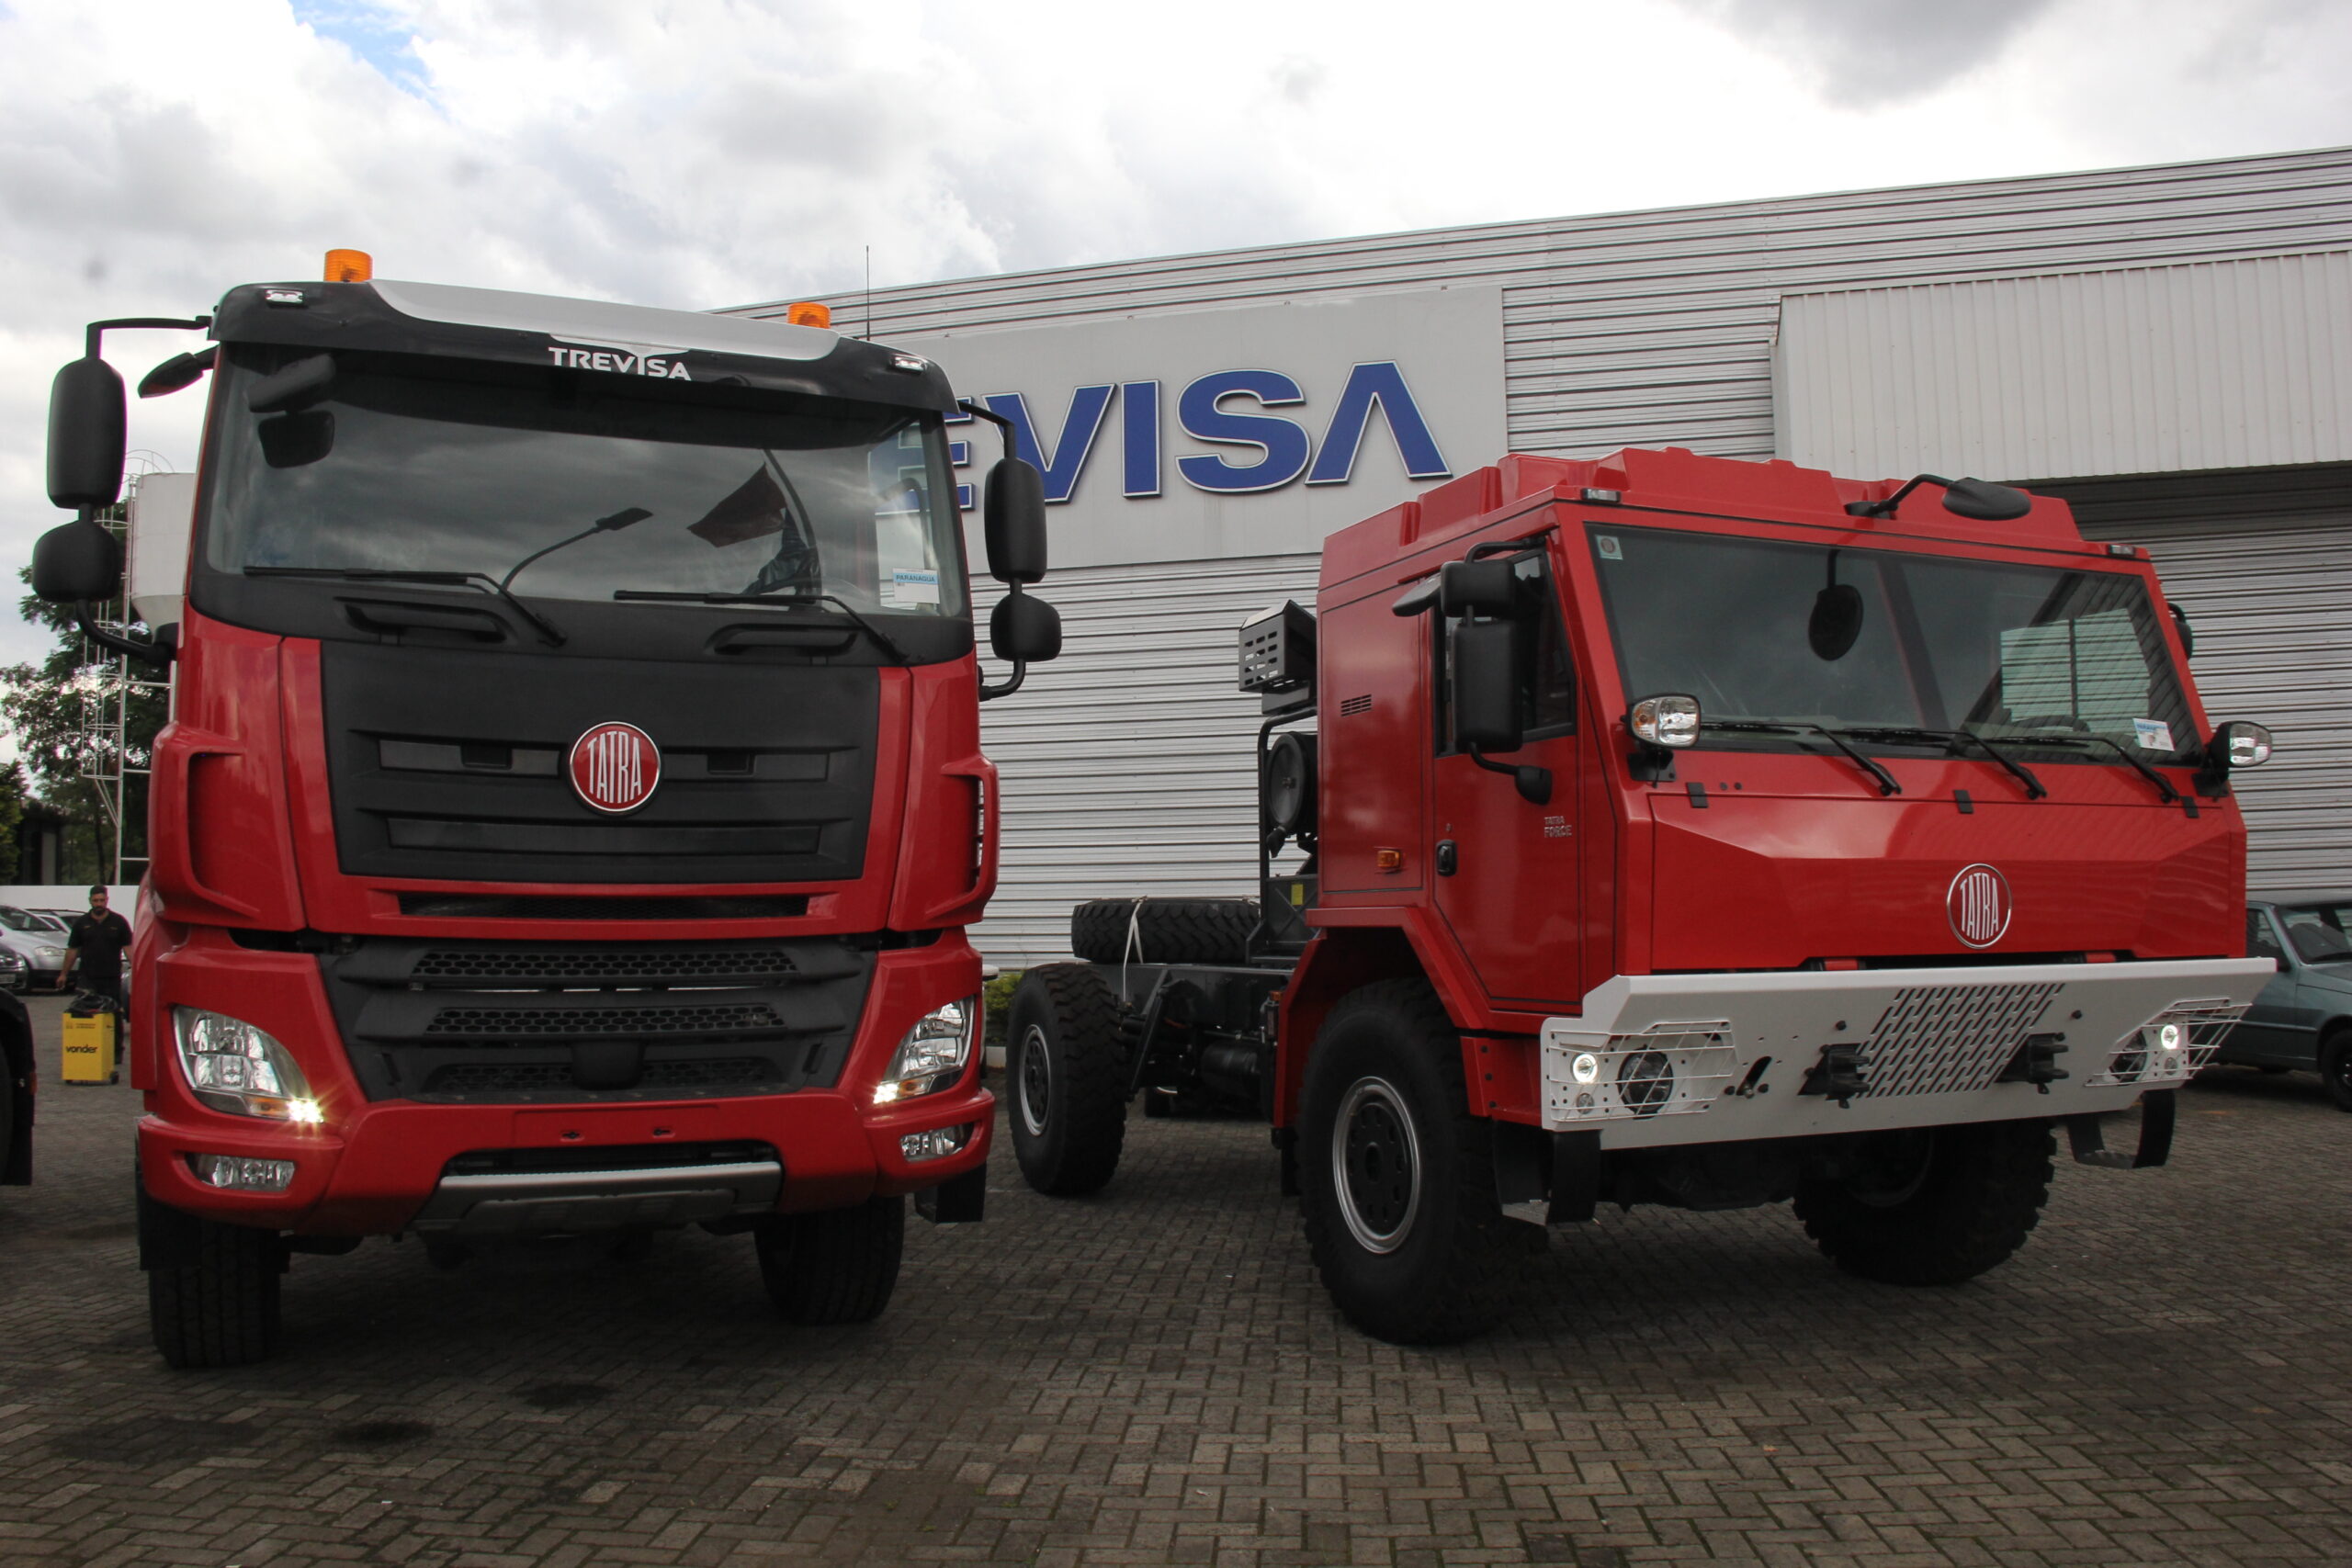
[350,267]
[1387,860]
[808,313]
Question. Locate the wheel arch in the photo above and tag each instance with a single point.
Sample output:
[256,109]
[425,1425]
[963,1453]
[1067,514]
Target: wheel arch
[1339,960]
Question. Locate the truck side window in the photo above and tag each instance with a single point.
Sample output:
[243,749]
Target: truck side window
[2260,941]
[1547,681]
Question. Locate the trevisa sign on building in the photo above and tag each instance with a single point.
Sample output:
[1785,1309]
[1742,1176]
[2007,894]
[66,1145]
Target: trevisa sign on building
[1252,432]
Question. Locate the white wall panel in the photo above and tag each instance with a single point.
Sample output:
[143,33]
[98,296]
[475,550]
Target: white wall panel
[2262,565]
[1129,763]
[2217,364]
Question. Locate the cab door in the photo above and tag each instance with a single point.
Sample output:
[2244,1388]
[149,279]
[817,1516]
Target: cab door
[1508,870]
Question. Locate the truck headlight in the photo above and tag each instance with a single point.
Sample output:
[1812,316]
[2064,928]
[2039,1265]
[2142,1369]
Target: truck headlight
[1670,720]
[232,1067]
[932,1055]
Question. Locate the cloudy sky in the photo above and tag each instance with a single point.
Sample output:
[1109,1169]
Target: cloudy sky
[707,152]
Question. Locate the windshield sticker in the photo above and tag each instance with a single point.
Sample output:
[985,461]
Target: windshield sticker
[2152,734]
[912,588]
[1609,547]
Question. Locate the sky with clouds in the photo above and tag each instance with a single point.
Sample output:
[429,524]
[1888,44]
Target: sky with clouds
[709,152]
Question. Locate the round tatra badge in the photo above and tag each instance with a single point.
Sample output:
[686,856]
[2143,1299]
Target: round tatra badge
[1979,906]
[614,767]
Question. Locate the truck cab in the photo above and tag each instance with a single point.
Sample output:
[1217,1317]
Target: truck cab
[572,804]
[1711,833]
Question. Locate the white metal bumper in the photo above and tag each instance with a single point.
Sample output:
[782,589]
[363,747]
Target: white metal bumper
[1657,1060]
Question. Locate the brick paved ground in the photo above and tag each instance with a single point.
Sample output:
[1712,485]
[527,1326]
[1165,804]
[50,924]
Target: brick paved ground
[2164,1376]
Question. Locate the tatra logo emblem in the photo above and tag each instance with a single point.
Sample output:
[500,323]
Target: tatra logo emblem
[614,767]
[1979,906]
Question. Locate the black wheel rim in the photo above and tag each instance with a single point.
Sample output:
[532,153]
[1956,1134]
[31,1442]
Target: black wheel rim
[1036,1081]
[1376,1165]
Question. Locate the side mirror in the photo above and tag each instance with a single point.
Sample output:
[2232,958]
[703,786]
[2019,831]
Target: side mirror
[2241,743]
[86,424]
[1486,686]
[1985,502]
[2187,632]
[1014,517]
[179,370]
[296,386]
[1478,588]
[1024,629]
[76,563]
[1835,623]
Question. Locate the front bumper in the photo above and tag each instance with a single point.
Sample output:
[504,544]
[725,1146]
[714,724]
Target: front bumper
[1665,1060]
[372,1167]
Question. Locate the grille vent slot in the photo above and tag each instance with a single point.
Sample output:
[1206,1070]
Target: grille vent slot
[577,1023]
[604,967]
[1354,706]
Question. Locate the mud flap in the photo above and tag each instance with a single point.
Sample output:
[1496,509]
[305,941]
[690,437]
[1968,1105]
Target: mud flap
[2157,1112]
[959,1201]
[1546,1178]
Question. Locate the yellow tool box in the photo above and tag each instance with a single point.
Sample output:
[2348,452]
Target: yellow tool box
[89,1048]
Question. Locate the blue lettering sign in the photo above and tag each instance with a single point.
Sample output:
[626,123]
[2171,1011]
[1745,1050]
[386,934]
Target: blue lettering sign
[1382,383]
[1080,426]
[1139,424]
[959,456]
[1284,443]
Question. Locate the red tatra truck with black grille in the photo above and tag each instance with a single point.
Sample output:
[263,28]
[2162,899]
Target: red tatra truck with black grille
[573,803]
[1687,832]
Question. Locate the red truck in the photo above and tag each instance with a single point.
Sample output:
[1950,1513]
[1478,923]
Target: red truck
[573,801]
[1687,832]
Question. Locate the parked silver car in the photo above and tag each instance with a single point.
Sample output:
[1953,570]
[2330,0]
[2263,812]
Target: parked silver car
[2302,1019]
[39,940]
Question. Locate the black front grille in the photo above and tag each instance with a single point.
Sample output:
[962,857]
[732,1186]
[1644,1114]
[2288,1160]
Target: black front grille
[571,963]
[546,1022]
[447,764]
[585,1023]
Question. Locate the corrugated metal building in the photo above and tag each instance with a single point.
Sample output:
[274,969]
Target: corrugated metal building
[2170,347]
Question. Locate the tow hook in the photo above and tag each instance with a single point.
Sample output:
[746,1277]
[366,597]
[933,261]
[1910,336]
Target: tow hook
[2036,1063]
[1838,1076]
[2156,1114]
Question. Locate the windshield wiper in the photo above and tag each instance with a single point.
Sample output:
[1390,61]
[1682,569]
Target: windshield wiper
[778,596]
[547,634]
[2034,788]
[1887,783]
[2164,785]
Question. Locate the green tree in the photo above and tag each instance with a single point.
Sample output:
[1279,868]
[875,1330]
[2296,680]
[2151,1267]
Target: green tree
[63,711]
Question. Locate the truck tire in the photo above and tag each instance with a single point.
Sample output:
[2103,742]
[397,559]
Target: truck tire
[1164,930]
[838,1266]
[221,1308]
[1945,1207]
[2336,1068]
[1067,1072]
[1397,1179]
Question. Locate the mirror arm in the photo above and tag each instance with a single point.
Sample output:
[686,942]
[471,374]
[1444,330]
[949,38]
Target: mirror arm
[95,333]
[1886,508]
[1007,687]
[981,411]
[2212,780]
[1534,784]
[158,653]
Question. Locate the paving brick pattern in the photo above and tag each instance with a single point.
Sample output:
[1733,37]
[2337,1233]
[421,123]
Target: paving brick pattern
[2164,1376]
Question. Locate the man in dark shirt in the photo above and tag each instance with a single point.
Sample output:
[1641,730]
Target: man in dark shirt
[96,943]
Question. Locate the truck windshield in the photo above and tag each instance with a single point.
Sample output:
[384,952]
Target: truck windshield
[408,466]
[2069,662]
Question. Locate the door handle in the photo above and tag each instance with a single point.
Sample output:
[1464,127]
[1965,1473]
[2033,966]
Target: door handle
[1448,857]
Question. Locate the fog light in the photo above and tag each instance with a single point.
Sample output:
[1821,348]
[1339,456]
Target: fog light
[936,1144]
[1587,1067]
[239,1174]
[2171,1036]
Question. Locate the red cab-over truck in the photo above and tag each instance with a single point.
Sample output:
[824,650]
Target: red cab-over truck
[1689,831]
[573,803]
